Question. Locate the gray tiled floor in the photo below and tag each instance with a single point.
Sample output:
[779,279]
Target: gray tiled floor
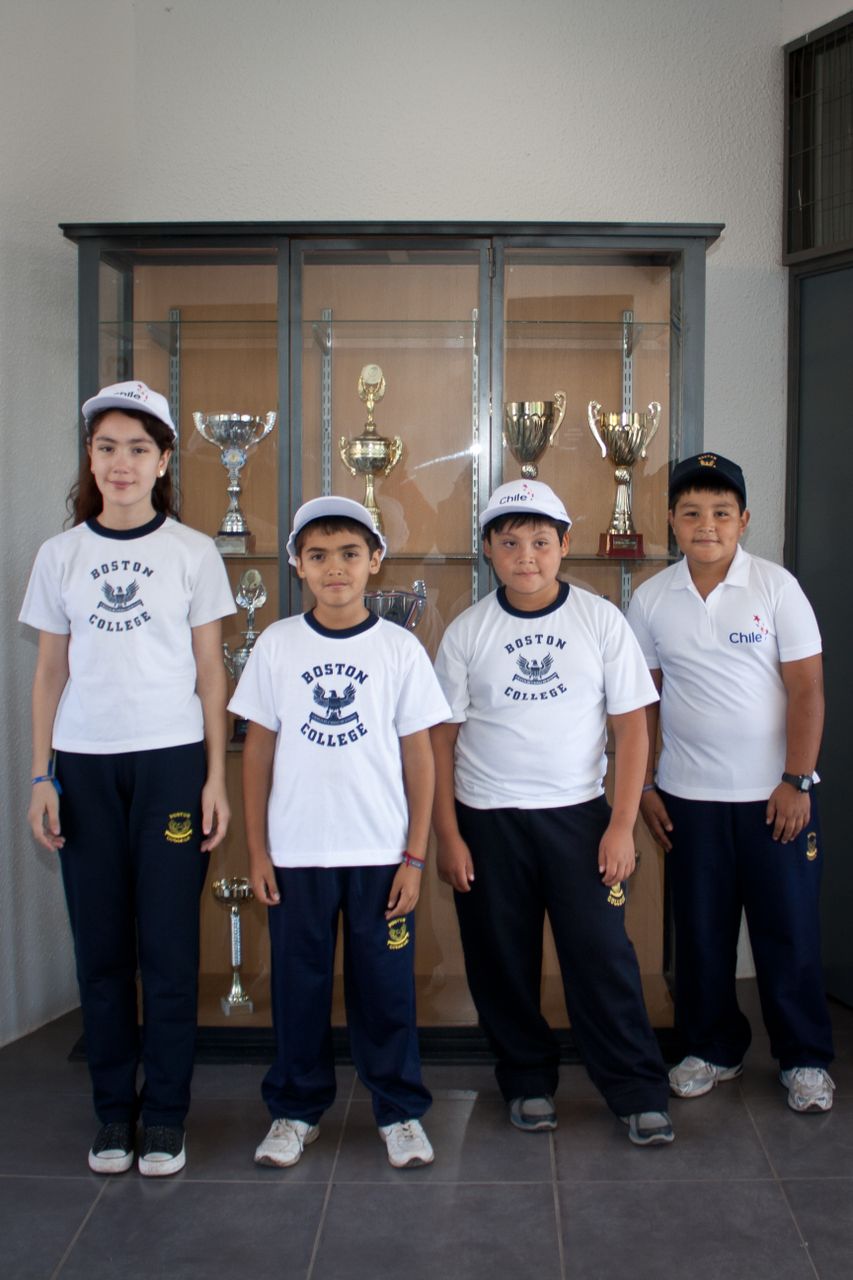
[748,1189]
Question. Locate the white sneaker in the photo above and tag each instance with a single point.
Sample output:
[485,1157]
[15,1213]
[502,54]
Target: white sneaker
[809,1088]
[407,1144]
[694,1077]
[285,1142]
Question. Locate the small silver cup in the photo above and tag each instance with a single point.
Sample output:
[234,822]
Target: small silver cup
[403,607]
[234,434]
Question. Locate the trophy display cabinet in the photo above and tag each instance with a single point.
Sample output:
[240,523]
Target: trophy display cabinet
[484,336]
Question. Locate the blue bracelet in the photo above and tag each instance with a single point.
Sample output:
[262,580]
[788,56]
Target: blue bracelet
[417,863]
[48,777]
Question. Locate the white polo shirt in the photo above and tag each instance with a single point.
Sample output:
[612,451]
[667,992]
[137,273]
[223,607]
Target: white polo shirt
[723,703]
[532,692]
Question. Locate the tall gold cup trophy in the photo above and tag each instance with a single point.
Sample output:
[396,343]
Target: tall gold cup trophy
[371,455]
[625,437]
[530,426]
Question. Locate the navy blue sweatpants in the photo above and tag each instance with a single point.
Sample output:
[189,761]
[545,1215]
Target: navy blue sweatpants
[724,860]
[379,990]
[528,862]
[133,874]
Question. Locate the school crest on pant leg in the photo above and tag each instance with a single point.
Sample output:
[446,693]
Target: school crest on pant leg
[179,828]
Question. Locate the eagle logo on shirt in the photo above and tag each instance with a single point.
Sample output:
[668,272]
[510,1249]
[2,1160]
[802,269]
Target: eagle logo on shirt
[334,703]
[534,672]
[120,599]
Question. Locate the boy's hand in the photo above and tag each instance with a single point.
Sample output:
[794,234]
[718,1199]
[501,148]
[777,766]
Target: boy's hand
[405,891]
[263,882]
[789,811]
[43,816]
[656,818]
[454,864]
[616,857]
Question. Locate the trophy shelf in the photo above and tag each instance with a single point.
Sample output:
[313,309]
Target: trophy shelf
[230,319]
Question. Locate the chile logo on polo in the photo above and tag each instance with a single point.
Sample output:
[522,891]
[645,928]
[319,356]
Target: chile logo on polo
[398,934]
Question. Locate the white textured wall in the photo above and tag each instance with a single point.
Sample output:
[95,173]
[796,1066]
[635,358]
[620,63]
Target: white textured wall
[619,110]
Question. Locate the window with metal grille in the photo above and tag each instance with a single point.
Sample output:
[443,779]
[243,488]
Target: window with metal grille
[819,140]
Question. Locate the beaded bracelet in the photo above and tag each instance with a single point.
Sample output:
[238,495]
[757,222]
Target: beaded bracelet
[417,863]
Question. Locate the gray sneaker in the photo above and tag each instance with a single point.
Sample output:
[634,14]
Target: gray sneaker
[809,1088]
[694,1077]
[649,1128]
[533,1115]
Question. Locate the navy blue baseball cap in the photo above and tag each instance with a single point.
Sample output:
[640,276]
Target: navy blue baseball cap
[707,466]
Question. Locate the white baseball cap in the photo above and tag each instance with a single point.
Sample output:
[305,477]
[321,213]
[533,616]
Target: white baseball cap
[521,497]
[320,509]
[130,395]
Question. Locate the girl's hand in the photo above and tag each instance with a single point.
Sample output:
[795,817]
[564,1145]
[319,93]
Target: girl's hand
[43,816]
[215,814]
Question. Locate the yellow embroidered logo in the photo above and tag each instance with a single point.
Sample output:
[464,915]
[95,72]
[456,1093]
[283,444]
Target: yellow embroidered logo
[616,896]
[398,933]
[180,828]
[811,846]
[707,459]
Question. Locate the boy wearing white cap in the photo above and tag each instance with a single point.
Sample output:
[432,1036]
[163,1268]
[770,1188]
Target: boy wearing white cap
[338,784]
[531,674]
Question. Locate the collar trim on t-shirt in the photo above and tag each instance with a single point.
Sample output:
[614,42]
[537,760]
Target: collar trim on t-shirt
[125,535]
[562,597]
[348,632]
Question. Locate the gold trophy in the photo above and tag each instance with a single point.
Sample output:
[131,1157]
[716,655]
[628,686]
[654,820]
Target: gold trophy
[369,454]
[625,437]
[530,427]
[231,893]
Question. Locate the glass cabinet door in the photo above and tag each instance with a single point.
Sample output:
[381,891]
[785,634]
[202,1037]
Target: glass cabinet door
[408,323]
[581,328]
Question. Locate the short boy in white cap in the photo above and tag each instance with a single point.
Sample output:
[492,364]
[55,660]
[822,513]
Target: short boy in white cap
[338,785]
[531,674]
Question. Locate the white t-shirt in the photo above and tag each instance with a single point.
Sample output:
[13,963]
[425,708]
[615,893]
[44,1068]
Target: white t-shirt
[128,605]
[339,702]
[531,692]
[723,702]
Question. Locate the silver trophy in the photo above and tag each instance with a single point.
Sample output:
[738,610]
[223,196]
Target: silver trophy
[234,434]
[403,607]
[251,595]
[231,893]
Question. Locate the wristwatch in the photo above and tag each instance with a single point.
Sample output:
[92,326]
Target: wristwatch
[799,781]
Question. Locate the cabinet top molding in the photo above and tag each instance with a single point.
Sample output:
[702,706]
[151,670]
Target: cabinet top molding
[588,232]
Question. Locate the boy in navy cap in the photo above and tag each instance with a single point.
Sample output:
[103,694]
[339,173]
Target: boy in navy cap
[531,674]
[734,649]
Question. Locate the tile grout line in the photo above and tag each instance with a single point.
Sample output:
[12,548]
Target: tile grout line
[315,1248]
[558,1216]
[72,1242]
[803,1242]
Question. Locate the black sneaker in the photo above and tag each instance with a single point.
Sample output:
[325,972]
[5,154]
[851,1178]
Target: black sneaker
[163,1151]
[112,1150]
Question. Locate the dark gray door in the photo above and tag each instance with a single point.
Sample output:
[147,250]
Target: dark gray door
[819,551]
